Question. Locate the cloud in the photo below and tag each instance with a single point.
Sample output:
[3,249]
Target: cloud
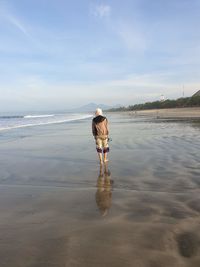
[152,81]
[101,11]
[36,92]
[129,33]
[7,14]
[151,85]
[18,24]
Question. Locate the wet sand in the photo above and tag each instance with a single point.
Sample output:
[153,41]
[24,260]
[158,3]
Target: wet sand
[58,208]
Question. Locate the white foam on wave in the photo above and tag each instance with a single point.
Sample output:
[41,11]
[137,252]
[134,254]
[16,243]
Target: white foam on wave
[38,116]
[45,123]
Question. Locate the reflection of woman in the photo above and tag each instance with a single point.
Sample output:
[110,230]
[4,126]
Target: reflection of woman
[104,194]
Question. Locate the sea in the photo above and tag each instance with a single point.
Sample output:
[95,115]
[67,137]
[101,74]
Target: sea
[22,120]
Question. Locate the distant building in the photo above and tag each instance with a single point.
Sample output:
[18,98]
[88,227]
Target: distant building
[162,98]
[197,93]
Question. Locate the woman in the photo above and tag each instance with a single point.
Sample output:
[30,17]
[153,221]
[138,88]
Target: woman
[100,133]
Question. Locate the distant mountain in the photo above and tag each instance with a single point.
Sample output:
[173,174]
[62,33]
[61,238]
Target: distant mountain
[92,107]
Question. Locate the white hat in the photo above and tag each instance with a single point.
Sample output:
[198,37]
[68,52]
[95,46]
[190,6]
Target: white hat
[98,112]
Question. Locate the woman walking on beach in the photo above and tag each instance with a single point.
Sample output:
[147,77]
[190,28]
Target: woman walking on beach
[100,133]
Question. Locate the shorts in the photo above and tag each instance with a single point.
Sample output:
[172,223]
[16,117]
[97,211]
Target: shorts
[102,144]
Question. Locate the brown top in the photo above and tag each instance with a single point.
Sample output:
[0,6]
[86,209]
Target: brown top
[100,126]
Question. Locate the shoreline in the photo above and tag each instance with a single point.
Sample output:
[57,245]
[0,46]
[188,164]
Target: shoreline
[170,113]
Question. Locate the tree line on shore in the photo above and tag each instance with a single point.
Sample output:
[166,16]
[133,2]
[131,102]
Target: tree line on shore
[193,101]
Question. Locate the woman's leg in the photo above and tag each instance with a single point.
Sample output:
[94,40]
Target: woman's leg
[100,157]
[105,157]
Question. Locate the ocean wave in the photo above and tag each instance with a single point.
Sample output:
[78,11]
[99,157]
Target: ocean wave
[12,117]
[44,123]
[26,116]
[38,116]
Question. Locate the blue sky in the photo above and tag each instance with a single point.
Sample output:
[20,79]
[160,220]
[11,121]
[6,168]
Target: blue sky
[57,54]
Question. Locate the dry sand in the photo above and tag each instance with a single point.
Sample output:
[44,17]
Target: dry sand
[174,113]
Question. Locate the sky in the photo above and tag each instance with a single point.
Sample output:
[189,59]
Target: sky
[61,54]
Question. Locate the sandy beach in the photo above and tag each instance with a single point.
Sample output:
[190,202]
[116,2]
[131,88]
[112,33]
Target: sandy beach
[171,113]
[59,208]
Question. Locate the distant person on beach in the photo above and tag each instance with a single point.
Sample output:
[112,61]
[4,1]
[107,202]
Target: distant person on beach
[100,133]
